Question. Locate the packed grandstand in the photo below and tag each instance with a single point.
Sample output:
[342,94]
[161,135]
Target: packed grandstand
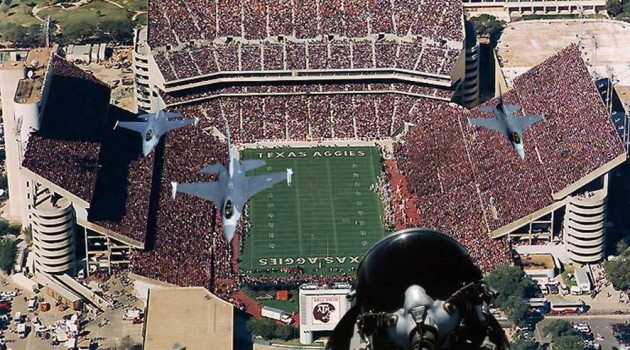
[460,179]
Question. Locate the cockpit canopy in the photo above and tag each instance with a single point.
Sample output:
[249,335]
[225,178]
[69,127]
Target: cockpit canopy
[228,210]
[149,135]
[516,138]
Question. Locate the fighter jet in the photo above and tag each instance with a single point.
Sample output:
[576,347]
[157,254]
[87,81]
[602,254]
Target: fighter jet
[154,125]
[233,188]
[507,124]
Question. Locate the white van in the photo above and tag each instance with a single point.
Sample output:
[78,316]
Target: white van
[32,304]
[21,330]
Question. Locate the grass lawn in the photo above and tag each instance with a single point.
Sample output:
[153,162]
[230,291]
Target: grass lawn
[142,19]
[325,222]
[88,13]
[18,13]
[133,5]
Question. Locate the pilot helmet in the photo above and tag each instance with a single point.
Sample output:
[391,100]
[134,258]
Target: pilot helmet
[414,256]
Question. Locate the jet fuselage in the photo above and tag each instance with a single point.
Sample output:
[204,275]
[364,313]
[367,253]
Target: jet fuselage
[514,135]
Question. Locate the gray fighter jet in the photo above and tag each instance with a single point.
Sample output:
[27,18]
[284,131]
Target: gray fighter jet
[233,189]
[507,124]
[154,125]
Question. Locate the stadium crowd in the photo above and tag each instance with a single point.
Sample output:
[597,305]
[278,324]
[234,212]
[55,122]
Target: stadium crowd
[585,143]
[184,244]
[187,61]
[453,168]
[361,116]
[184,33]
[71,165]
[173,23]
[124,209]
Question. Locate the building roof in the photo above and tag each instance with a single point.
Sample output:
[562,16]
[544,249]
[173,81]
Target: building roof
[537,262]
[192,317]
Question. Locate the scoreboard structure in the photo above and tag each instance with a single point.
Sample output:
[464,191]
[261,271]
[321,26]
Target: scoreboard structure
[321,308]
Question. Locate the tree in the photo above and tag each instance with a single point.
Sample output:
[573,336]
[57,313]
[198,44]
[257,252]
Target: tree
[3,181]
[487,25]
[614,7]
[119,30]
[4,226]
[8,252]
[618,270]
[524,344]
[126,343]
[557,328]
[621,246]
[512,285]
[270,329]
[568,342]
[264,327]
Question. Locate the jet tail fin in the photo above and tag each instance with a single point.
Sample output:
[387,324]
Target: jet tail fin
[173,189]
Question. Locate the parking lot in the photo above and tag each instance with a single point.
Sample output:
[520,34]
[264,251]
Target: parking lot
[107,330]
[599,325]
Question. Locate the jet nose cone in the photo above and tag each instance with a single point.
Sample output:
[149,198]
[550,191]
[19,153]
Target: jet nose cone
[228,232]
[521,153]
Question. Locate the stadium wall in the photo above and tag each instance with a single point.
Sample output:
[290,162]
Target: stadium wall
[585,225]
[141,58]
[539,7]
[53,234]
[21,116]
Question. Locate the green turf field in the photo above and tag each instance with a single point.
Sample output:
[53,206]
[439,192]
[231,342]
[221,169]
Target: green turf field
[326,220]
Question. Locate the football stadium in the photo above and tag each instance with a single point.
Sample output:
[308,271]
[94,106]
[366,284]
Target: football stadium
[367,103]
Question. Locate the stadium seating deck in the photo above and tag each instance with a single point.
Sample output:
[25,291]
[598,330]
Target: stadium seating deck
[299,35]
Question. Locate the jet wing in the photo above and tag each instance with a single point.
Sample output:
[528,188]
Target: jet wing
[209,191]
[135,126]
[168,125]
[213,169]
[487,109]
[512,108]
[528,120]
[252,164]
[259,183]
[489,123]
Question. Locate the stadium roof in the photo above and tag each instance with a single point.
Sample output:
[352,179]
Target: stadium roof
[191,317]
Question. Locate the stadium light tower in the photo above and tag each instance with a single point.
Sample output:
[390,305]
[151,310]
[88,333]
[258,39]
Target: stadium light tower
[47,30]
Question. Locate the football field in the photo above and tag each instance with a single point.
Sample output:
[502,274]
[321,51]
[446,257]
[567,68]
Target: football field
[325,221]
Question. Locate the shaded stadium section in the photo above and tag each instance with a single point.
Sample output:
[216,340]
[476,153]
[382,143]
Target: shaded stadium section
[185,245]
[65,150]
[123,185]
